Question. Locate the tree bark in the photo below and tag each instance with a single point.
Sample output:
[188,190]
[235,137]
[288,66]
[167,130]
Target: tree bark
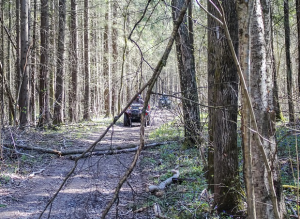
[114,59]
[223,119]
[186,66]
[298,29]
[24,89]
[73,93]
[59,93]
[44,77]
[87,99]
[289,78]
[264,196]
[106,70]
[18,56]
[33,67]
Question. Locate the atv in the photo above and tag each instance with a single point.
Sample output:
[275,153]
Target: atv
[133,114]
[164,102]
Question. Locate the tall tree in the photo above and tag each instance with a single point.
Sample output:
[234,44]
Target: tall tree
[59,92]
[114,57]
[106,68]
[271,65]
[73,93]
[24,89]
[2,61]
[289,77]
[87,99]
[264,193]
[33,61]
[188,84]
[223,119]
[18,55]
[44,72]
[298,29]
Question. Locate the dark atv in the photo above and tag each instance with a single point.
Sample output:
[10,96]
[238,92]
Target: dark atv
[133,114]
[164,102]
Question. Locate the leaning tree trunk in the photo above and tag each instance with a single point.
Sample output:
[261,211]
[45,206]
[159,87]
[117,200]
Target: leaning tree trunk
[24,89]
[223,119]
[59,93]
[188,84]
[289,78]
[44,77]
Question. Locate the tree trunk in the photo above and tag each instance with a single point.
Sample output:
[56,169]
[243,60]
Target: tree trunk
[24,89]
[18,56]
[115,58]
[186,66]
[124,58]
[87,99]
[9,69]
[289,78]
[33,67]
[298,29]
[59,93]
[211,64]
[271,65]
[44,77]
[73,93]
[106,73]
[2,60]
[262,182]
[223,119]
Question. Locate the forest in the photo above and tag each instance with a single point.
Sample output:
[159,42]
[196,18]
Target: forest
[216,132]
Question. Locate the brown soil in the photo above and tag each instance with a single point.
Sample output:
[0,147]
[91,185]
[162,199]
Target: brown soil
[24,194]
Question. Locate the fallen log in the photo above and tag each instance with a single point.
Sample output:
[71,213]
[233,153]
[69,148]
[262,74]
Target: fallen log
[96,151]
[120,151]
[164,184]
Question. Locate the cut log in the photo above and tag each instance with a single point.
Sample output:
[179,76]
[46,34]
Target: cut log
[164,184]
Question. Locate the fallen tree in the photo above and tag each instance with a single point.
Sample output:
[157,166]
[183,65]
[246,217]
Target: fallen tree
[96,151]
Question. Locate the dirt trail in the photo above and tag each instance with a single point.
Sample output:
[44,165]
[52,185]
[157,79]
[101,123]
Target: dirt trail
[91,187]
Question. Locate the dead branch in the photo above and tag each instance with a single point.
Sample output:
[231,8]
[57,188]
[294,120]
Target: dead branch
[164,184]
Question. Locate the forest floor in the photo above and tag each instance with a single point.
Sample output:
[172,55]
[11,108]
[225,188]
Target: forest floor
[30,179]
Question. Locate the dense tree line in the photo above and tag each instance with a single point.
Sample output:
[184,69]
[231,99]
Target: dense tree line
[66,61]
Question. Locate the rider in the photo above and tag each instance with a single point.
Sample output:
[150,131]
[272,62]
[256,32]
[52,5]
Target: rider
[139,99]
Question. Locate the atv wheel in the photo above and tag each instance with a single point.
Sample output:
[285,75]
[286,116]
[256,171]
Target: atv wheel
[126,120]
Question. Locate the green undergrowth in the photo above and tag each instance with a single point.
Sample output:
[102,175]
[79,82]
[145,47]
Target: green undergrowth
[181,199]
[171,131]
[288,141]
